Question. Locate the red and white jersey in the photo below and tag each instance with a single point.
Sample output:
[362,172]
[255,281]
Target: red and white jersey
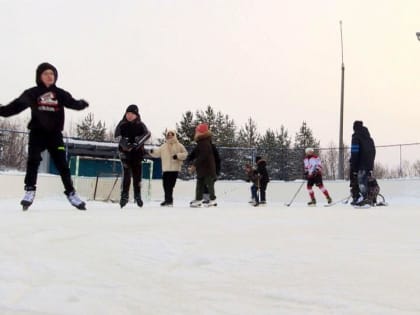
[312,164]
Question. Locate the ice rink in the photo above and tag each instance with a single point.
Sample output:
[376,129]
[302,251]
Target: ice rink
[232,259]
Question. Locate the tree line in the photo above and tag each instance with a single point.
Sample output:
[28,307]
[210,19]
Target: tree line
[283,152]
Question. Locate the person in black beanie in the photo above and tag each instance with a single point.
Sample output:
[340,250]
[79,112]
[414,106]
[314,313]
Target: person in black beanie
[131,133]
[362,159]
[264,177]
[47,103]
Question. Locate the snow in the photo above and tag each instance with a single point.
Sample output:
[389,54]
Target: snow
[231,259]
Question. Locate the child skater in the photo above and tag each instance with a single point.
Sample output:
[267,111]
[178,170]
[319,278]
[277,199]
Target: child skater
[47,103]
[254,178]
[263,176]
[172,153]
[313,168]
[131,133]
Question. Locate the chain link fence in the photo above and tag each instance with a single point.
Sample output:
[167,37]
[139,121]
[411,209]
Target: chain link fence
[392,161]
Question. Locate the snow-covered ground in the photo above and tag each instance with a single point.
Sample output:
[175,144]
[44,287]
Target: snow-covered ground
[233,259]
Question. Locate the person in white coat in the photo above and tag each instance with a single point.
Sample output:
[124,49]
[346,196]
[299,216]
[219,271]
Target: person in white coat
[172,154]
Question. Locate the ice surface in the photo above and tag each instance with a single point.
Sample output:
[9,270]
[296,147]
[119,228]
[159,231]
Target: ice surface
[233,259]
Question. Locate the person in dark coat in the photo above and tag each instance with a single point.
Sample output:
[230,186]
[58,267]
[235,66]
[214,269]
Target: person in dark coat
[204,164]
[264,177]
[362,159]
[217,160]
[131,133]
[47,103]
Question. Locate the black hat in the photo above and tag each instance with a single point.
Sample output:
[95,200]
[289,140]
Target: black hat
[258,158]
[41,68]
[357,124]
[132,109]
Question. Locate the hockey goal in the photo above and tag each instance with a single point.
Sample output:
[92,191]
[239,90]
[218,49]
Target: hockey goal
[106,186]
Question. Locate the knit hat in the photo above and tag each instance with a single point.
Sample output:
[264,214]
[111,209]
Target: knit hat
[309,151]
[132,109]
[202,128]
[257,159]
[41,68]
[357,124]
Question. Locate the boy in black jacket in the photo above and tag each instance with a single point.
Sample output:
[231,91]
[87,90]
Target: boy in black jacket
[264,178]
[131,133]
[362,159]
[47,103]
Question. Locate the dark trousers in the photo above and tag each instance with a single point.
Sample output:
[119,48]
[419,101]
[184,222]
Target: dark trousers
[40,141]
[168,181]
[202,183]
[131,164]
[263,188]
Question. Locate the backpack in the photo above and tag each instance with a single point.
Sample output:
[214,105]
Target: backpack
[373,189]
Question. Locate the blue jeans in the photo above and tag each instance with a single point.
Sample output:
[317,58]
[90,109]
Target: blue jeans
[254,193]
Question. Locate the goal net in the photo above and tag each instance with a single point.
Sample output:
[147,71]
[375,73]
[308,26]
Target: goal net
[106,185]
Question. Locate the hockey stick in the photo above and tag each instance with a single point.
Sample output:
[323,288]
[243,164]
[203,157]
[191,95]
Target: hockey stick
[112,189]
[343,200]
[294,196]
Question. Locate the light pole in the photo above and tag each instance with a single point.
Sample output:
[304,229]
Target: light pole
[340,141]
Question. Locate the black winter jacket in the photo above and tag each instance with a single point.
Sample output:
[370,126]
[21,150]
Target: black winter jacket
[47,107]
[262,170]
[131,135]
[362,150]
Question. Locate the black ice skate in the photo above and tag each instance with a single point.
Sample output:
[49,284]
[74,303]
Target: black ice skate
[312,203]
[138,201]
[123,200]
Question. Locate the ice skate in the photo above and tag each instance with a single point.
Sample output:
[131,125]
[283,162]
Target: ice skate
[138,201]
[123,200]
[312,203]
[75,200]
[196,204]
[329,200]
[210,203]
[27,199]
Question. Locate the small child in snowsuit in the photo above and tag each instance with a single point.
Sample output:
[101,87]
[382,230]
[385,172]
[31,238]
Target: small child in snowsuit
[313,168]
[264,177]
[254,178]
[131,134]
[47,103]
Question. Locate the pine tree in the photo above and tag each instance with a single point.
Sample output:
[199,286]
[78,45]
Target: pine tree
[248,134]
[186,128]
[88,130]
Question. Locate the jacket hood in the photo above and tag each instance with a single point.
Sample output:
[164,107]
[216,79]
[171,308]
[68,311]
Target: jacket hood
[41,68]
[174,139]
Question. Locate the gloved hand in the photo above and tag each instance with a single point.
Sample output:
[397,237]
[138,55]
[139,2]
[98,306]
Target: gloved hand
[124,144]
[174,156]
[84,103]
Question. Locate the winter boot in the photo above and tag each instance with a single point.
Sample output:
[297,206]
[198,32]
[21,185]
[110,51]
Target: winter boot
[329,200]
[312,203]
[123,200]
[27,199]
[138,200]
[75,200]
[166,204]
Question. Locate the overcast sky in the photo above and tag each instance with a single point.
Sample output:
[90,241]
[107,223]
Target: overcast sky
[277,61]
